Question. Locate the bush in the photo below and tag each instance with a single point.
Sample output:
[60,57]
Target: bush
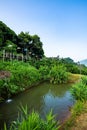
[79,90]
[58,74]
[22,76]
[44,72]
[84,80]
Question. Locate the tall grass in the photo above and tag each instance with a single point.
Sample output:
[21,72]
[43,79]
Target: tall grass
[58,74]
[76,110]
[79,90]
[44,72]
[34,122]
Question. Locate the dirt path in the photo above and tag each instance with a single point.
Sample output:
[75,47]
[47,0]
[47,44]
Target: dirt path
[81,122]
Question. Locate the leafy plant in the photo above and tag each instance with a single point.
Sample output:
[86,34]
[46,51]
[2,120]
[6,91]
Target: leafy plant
[34,122]
[79,90]
[22,76]
[58,74]
[84,80]
[44,72]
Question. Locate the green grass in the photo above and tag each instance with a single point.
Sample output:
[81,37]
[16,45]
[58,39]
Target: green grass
[72,78]
[76,111]
[79,92]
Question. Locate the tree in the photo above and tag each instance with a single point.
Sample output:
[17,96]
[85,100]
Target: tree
[10,46]
[32,44]
[68,60]
[6,34]
[27,43]
[36,47]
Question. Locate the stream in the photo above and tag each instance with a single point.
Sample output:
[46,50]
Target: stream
[42,99]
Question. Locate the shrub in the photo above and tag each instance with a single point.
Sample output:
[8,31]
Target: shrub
[25,76]
[79,91]
[44,72]
[22,76]
[84,80]
[58,74]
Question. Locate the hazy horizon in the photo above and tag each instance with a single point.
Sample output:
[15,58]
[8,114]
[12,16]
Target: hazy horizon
[61,24]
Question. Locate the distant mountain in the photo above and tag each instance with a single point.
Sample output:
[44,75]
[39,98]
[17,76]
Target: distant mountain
[84,62]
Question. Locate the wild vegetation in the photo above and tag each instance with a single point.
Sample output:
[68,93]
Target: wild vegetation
[79,92]
[58,74]
[33,121]
[23,75]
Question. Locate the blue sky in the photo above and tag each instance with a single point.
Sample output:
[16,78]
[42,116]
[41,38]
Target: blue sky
[61,24]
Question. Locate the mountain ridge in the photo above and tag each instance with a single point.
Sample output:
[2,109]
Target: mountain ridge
[84,62]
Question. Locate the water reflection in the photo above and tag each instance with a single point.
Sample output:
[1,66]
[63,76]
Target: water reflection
[41,98]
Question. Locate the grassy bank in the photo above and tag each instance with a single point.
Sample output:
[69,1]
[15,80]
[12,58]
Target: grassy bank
[72,78]
[78,118]
[21,76]
[33,120]
[17,76]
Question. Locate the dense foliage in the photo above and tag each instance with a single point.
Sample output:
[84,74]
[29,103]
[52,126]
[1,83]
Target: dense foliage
[31,44]
[79,90]
[68,63]
[22,77]
[22,43]
[58,74]
[6,34]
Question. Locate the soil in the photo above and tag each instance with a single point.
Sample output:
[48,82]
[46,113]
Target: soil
[4,74]
[81,122]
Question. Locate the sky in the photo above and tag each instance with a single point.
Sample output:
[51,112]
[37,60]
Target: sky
[60,24]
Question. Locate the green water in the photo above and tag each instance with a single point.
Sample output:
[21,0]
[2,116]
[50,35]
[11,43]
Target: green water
[41,98]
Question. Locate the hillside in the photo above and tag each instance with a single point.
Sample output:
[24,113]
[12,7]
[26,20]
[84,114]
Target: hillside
[21,43]
[6,34]
[84,62]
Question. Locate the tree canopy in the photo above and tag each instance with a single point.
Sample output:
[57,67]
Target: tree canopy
[6,34]
[30,43]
